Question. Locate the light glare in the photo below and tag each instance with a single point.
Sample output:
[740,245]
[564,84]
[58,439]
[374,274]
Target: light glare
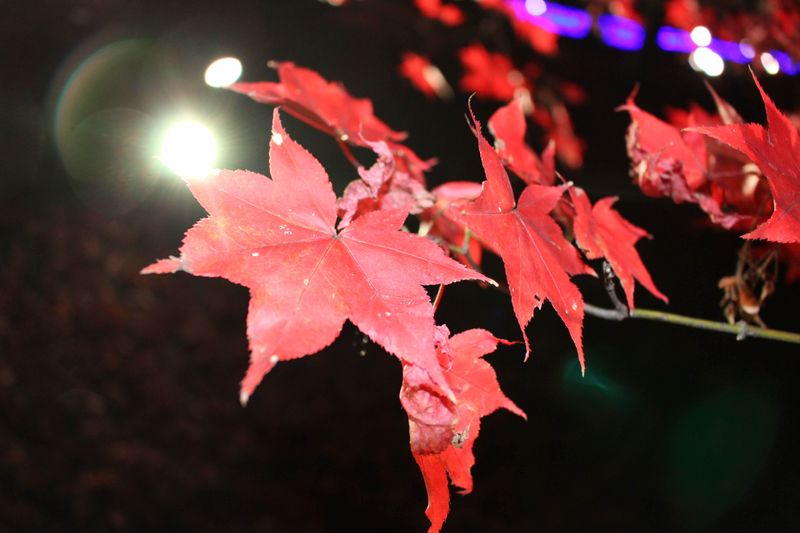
[708,61]
[189,149]
[770,64]
[223,72]
[700,36]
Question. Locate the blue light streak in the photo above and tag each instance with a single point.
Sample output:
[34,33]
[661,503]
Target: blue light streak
[621,33]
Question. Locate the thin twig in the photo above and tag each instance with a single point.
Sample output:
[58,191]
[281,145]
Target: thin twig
[347,153]
[741,329]
[611,289]
[438,298]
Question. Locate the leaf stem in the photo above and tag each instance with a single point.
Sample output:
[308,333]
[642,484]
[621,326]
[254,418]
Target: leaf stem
[741,329]
[347,152]
[438,298]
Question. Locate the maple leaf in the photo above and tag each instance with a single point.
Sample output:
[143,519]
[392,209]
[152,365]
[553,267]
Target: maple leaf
[555,120]
[776,151]
[538,259]
[424,76]
[490,74]
[666,161]
[447,14]
[663,162]
[278,237]
[327,106]
[454,233]
[443,434]
[602,232]
[382,186]
[507,125]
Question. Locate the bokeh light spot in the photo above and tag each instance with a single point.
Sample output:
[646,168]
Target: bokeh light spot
[223,72]
[770,64]
[700,36]
[536,7]
[708,61]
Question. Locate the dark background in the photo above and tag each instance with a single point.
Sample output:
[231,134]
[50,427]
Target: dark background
[119,392]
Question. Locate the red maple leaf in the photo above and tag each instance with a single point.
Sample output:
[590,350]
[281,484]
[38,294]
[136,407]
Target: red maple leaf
[454,233]
[278,237]
[382,186]
[443,435]
[602,232]
[424,76]
[538,259]
[508,126]
[666,161]
[447,14]
[664,164]
[490,74]
[776,151]
[325,105]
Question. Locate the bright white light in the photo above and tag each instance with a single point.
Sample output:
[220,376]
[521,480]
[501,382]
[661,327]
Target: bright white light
[700,36]
[746,49]
[770,64]
[223,72]
[535,7]
[708,61]
[189,149]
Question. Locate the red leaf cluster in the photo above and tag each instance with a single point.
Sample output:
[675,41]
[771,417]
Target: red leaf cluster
[742,175]
[311,260]
[683,165]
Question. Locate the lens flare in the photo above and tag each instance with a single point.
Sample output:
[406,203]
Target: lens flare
[188,149]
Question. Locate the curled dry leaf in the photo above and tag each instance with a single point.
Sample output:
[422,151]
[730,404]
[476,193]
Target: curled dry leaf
[442,432]
[776,151]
